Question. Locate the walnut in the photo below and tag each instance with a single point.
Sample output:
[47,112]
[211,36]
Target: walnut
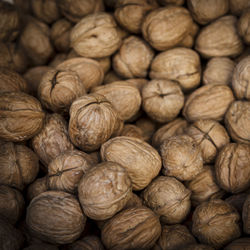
[132,131]
[55,217]
[21,116]
[216,223]
[138,82]
[133,228]
[39,186]
[208,102]
[105,63]
[246,215]
[181,157]
[237,120]
[41,246]
[95,36]
[197,247]
[23,6]
[220,38]
[141,160]
[110,77]
[147,126]
[93,120]
[52,140]
[134,201]
[239,244]
[232,167]
[238,6]
[178,64]
[168,198]
[162,100]
[87,243]
[243,26]
[19,165]
[175,2]
[237,201]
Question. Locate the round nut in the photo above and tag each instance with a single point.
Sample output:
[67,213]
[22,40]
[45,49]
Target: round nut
[132,131]
[243,26]
[238,6]
[90,242]
[39,186]
[240,243]
[237,201]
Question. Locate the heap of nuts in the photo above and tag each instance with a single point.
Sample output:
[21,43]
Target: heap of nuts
[124,124]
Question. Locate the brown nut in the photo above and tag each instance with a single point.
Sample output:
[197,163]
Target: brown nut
[178,64]
[175,2]
[90,242]
[134,201]
[110,77]
[239,244]
[95,36]
[208,102]
[216,223]
[168,198]
[162,100]
[181,157]
[238,6]
[55,217]
[246,215]
[141,160]
[197,247]
[21,116]
[41,246]
[147,126]
[132,131]
[237,201]
[39,186]
[133,228]
[243,26]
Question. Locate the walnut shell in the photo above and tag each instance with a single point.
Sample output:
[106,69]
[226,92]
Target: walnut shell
[110,77]
[39,186]
[133,228]
[208,102]
[168,198]
[215,223]
[141,160]
[41,246]
[239,244]
[55,217]
[132,131]
[147,126]
[105,63]
[21,116]
[238,6]
[243,26]
[90,242]
[237,201]
[175,2]
[246,215]
[197,247]
[134,201]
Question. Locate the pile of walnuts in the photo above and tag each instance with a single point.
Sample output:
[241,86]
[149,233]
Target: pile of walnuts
[125,124]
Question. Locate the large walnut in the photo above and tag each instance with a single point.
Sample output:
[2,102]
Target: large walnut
[133,228]
[55,217]
[216,223]
[246,215]
[21,116]
[168,198]
[141,160]
[239,244]
[244,26]
[90,242]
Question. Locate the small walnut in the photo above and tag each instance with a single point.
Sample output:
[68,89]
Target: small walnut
[181,157]
[55,217]
[141,160]
[95,36]
[138,82]
[238,6]
[220,38]
[87,243]
[178,64]
[208,102]
[239,244]
[147,126]
[105,63]
[237,201]
[134,201]
[168,198]
[216,223]
[110,77]
[175,2]
[132,131]
[39,186]
[162,100]
[244,26]
[237,120]
[133,228]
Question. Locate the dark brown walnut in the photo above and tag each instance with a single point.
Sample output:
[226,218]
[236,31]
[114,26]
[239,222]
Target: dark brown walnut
[134,201]
[175,2]
[110,77]
[237,120]
[93,120]
[174,237]
[67,169]
[21,116]
[104,190]
[237,201]
[232,167]
[110,3]
[132,130]
[39,186]
[95,36]
[11,203]
[208,102]
[45,10]
[175,127]
[204,11]
[120,94]
[167,27]
[41,246]
[168,198]
[181,157]
[204,186]
[240,81]
[246,215]
[141,160]
[19,165]
[197,247]
[178,64]
[130,13]
[162,100]
[55,217]
[59,88]
[147,126]
[220,38]
[89,70]
[219,70]
[90,242]
[239,244]
[210,135]
[216,223]
[58,59]
[52,140]
[133,228]
[75,10]
[243,26]
[238,6]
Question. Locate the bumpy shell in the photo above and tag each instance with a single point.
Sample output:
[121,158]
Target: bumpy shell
[95,36]
[141,160]
[87,243]
[168,198]
[175,2]
[39,186]
[241,243]
[246,215]
[132,130]
[181,157]
[55,217]
[238,6]
[178,64]
[162,100]
[147,126]
[243,26]
[197,247]
[133,228]
[21,116]
[216,223]
[134,201]
[208,102]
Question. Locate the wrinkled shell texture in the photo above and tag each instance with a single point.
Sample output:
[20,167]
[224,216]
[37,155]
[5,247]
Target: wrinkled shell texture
[238,6]
[87,243]
[39,186]
[133,131]
[241,243]
[243,26]
[246,215]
